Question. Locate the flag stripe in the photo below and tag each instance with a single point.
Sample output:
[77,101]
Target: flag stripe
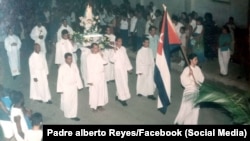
[168,39]
[173,38]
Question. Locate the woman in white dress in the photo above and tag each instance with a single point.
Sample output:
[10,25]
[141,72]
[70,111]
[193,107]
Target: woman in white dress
[191,79]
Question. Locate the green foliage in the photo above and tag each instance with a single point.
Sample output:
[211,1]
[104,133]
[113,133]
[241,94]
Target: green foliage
[78,37]
[237,104]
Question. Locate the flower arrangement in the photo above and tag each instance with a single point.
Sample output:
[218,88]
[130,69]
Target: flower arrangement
[104,43]
[91,30]
[91,26]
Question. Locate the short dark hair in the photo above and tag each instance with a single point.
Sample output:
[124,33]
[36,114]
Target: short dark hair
[226,28]
[66,55]
[93,44]
[36,118]
[117,38]
[175,18]
[192,56]
[36,44]
[151,27]
[65,32]
[183,28]
[145,39]
[64,20]
[16,97]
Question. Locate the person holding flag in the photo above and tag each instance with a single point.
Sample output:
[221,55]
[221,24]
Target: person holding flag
[168,42]
[191,79]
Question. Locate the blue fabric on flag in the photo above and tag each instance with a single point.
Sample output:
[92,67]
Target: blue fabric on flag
[168,42]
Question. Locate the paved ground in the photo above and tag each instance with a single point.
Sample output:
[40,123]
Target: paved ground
[140,110]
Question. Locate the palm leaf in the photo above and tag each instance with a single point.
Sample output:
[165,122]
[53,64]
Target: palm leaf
[237,104]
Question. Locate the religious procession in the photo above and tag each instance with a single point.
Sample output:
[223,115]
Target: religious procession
[89,41]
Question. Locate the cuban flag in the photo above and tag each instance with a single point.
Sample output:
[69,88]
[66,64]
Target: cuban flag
[168,41]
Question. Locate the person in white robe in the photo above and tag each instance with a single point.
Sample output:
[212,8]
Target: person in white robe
[84,53]
[108,53]
[122,66]
[68,84]
[12,44]
[39,86]
[98,90]
[63,27]
[145,65]
[38,35]
[191,79]
[63,46]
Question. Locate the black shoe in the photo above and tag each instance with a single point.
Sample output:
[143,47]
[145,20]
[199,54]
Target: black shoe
[151,97]
[100,108]
[14,77]
[139,95]
[49,102]
[76,119]
[124,103]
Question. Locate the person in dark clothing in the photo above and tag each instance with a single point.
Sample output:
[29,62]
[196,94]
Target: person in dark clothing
[210,37]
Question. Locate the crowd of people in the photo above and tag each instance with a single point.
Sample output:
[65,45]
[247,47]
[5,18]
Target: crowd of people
[16,120]
[52,24]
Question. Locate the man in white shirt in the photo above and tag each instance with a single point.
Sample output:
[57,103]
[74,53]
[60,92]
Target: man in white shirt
[153,40]
[122,66]
[63,46]
[39,87]
[12,44]
[107,54]
[145,65]
[63,27]
[98,90]
[133,20]
[38,35]
[68,84]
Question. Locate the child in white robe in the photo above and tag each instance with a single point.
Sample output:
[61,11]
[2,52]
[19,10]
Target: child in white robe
[191,79]
[108,52]
[98,90]
[122,66]
[145,71]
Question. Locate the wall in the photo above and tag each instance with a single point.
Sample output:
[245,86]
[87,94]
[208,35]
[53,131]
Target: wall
[221,11]
[173,6]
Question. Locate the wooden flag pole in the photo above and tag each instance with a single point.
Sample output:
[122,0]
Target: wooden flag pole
[186,59]
[165,9]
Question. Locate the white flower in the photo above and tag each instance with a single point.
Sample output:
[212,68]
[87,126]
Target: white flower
[101,46]
[81,24]
[81,18]
[97,17]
